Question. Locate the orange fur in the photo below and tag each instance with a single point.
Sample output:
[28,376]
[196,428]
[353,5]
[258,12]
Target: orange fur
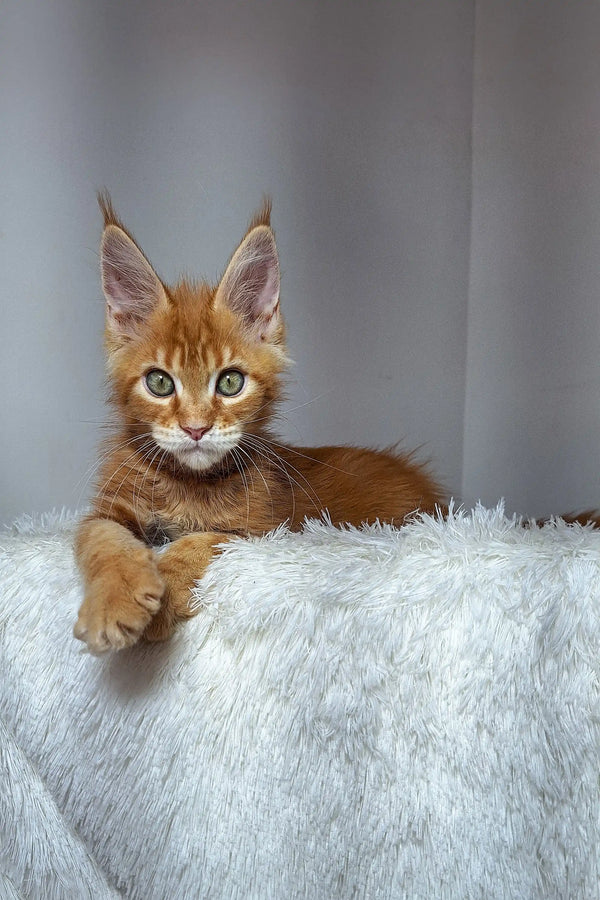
[159,482]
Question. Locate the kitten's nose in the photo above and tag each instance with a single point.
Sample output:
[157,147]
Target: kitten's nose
[196,433]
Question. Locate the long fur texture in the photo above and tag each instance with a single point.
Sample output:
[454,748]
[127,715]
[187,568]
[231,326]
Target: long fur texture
[379,713]
[195,466]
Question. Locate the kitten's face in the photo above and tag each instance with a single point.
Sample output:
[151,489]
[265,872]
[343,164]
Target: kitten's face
[195,368]
[197,381]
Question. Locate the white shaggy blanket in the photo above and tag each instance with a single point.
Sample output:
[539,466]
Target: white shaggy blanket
[382,713]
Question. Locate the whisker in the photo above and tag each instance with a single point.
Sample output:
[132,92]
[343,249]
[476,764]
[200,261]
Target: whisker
[104,488]
[137,450]
[151,456]
[240,469]
[294,408]
[263,442]
[258,469]
[158,468]
[145,451]
[279,464]
[283,466]
[87,475]
[297,452]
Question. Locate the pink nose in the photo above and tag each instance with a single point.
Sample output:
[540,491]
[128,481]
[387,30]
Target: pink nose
[196,433]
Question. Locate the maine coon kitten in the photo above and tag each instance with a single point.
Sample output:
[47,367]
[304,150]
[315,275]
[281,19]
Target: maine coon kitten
[195,373]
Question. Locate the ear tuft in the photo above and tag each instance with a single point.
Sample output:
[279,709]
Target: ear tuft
[131,286]
[250,285]
[107,209]
[263,215]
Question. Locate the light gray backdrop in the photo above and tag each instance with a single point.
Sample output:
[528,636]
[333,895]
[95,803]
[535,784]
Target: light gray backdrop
[435,171]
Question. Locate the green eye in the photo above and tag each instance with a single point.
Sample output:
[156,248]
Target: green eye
[159,383]
[230,383]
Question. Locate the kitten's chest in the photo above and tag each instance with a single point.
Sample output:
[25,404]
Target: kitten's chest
[231,507]
[180,515]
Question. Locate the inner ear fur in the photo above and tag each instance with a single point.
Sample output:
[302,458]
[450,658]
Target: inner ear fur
[131,286]
[251,284]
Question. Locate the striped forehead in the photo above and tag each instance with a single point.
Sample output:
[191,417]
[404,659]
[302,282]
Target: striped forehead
[194,358]
[192,338]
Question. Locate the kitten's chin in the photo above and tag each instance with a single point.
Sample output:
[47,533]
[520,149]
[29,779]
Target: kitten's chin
[200,459]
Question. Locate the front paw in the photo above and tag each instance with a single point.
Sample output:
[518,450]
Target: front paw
[120,602]
[175,606]
[181,564]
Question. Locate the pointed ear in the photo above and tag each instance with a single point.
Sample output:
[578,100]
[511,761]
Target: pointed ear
[250,285]
[131,286]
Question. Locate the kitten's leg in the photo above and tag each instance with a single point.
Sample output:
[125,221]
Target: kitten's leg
[123,586]
[180,565]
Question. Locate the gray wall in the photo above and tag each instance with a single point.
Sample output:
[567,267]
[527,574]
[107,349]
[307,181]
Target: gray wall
[474,341]
[532,416]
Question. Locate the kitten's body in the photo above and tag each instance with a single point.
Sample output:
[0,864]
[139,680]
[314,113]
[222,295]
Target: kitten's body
[198,465]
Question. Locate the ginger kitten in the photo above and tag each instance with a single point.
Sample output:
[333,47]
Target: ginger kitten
[195,373]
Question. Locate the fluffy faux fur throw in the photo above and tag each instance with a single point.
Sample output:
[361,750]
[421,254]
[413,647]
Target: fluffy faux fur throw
[381,713]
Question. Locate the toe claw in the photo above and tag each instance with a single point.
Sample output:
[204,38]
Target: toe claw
[149,602]
[79,631]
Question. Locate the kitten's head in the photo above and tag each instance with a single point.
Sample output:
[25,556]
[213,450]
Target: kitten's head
[196,366]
